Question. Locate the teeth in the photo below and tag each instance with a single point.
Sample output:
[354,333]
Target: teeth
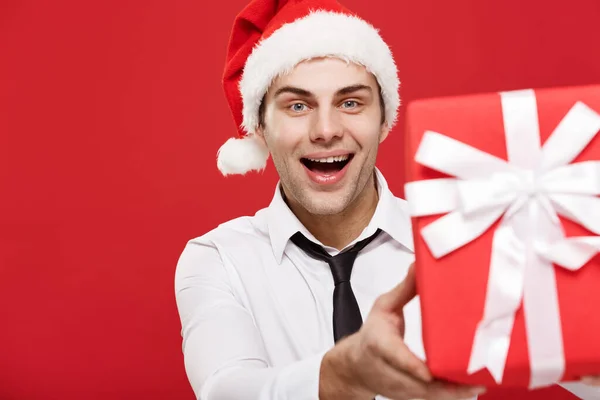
[330,159]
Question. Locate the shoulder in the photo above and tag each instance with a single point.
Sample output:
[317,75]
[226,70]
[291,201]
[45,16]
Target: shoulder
[235,232]
[238,239]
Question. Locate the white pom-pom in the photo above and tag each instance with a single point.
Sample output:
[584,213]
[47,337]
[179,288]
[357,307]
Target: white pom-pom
[241,155]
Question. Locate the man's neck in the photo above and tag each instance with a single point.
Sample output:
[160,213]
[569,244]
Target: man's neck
[339,230]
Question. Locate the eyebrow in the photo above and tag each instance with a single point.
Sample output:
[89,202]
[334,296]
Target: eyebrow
[352,89]
[305,93]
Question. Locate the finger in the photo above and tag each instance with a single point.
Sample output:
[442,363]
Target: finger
[591,380]
[395,384]
[392,383]
[404,292]
[394,351]
[449,391]
[415,373]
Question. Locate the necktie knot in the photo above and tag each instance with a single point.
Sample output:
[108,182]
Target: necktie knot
[346,313]
[341,266]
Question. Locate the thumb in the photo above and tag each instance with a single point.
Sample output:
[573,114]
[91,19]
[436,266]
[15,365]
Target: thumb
[405,291]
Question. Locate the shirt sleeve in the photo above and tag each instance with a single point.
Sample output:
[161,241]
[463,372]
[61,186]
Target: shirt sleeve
[223,351]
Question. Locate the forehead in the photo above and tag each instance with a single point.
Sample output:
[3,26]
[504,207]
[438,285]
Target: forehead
[325,76]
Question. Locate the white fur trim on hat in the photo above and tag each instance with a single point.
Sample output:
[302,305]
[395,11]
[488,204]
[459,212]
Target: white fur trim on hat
[319,34]
[240,155]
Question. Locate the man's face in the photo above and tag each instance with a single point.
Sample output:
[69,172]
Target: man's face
[322,125]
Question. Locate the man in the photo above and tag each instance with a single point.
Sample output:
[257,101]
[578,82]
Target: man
[272,305]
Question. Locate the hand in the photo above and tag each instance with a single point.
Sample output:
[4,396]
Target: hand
[375,360]
[593,380]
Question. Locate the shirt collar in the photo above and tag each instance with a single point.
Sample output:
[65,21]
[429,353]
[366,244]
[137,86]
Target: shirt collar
[391,216]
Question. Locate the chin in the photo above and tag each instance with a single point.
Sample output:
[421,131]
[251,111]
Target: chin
[325,203]
[323,189]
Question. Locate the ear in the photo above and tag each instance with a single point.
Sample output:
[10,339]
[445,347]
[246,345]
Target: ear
[385,130]
[260,134]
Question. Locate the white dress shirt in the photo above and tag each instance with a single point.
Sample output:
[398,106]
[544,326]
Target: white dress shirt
[256,312]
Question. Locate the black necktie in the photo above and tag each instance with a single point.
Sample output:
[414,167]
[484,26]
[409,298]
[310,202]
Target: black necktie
[346,314]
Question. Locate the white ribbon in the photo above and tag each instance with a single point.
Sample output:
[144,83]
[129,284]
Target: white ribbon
[525,194]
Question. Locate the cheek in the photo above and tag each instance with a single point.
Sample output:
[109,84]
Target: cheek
[287,136]
[365,132]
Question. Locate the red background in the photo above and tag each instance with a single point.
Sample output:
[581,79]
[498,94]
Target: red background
[111,114]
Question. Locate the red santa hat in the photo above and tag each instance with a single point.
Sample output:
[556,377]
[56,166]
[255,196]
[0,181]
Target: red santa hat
[268,39]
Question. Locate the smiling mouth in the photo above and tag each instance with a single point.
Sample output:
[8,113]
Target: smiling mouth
[328,165]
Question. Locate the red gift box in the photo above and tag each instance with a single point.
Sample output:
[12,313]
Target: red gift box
[554,392]
[455,281]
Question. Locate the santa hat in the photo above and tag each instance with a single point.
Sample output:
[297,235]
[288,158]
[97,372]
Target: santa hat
[268,39]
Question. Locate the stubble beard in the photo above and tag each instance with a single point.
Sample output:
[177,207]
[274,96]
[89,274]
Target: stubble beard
[323,204]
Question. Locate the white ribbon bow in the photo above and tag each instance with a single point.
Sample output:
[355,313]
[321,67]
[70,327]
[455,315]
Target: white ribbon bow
[526,193]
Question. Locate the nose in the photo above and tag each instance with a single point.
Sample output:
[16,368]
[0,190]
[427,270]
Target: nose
[327,126]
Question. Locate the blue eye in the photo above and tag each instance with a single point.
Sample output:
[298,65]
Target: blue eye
[298,107]
[350,104]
